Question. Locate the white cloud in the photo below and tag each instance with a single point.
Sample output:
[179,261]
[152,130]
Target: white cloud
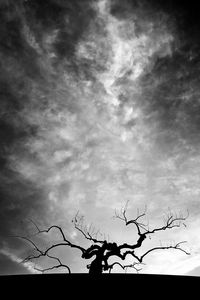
[13,257]
[172,264]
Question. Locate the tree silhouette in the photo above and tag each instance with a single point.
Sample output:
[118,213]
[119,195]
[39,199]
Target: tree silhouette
[101,250]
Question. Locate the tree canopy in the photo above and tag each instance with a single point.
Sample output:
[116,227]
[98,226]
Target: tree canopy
[100,251]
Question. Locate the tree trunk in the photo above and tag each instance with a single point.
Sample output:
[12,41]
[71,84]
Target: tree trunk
[96,267]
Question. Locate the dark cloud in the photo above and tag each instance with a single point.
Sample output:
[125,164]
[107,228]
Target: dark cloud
[23,26]
[170,88]
[19,198]
[187,11]
[16,54]
[171,91]
[69,19]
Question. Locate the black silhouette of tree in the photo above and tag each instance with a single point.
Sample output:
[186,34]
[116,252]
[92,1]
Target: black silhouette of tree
[102,250]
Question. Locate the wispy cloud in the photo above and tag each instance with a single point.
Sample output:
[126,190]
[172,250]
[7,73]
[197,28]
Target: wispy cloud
[13,257]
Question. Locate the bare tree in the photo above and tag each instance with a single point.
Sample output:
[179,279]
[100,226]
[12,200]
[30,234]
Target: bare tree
[101,250]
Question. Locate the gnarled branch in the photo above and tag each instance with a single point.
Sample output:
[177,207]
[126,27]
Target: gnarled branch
[89,232]
[42,253]
[125,267]
[102,250]
[59,265]
[171,220]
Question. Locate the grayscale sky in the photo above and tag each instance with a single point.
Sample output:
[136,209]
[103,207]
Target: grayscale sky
[99,105]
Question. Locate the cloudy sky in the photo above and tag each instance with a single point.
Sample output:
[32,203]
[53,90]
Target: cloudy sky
[99,105]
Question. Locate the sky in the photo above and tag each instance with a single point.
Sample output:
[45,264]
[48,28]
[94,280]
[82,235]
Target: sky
[99,106]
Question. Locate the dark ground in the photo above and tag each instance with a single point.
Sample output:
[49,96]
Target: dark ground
[106,286]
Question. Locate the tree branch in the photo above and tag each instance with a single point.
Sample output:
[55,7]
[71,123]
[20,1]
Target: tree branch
[139,225]
[172,220]
[67,242]
[177,246]
[124,267]
[42,253]
[102,249]
[59,265]
[88,232]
